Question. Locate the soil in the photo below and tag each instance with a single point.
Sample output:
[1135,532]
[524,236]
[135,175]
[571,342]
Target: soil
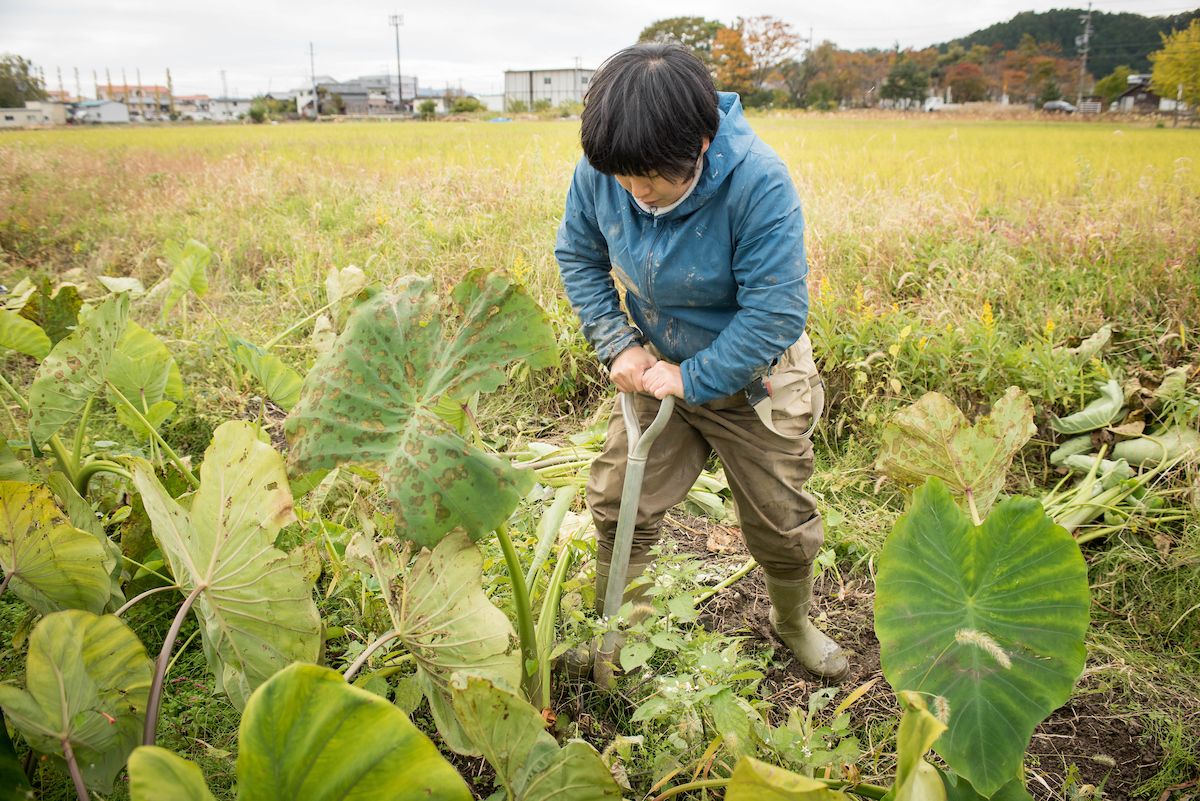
[1099,735]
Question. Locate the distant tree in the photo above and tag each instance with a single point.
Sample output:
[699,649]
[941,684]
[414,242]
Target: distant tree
[769,42]
[1050,91]
[17,83]
[428,108]
[967,82]
[733,68]
[465,105]
[694,33]
[1179,63]
[906,80]
[516,106]
[1112,86]
[258,110]
[821,97]
[542,104]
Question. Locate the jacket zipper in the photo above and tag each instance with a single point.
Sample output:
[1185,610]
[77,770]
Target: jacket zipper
[650,261]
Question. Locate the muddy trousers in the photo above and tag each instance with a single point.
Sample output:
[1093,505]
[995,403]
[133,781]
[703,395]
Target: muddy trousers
[766,473]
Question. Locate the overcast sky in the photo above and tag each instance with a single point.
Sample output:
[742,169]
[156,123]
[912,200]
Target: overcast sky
[263,44]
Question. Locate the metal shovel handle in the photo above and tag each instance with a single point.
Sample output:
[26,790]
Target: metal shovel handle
[631,494]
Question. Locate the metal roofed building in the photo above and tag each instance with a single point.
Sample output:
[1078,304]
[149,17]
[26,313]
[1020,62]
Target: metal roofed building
[557,86]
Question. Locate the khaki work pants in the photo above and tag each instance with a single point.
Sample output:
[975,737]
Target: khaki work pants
[766,471]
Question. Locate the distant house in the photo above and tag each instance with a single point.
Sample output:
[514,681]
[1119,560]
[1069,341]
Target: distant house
[1139,98]
[491,102]
[144,102]
[196,107]
[557,86]
[355,97]
[98,111]
[229,108]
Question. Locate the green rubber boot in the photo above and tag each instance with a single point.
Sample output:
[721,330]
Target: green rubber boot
[790,602]
[578,662]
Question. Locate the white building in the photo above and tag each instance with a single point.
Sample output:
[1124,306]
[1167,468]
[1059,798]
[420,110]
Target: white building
[195,107]
[557,86]
[35,112]
[491,102]
[101,111]
[229,108]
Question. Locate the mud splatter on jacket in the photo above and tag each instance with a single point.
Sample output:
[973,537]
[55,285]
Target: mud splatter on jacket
[718,284]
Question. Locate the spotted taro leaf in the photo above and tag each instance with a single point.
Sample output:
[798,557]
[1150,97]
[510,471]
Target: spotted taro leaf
[255,606]
[444,619]
[371,400]
[991,618]
[87,681]
[932,438]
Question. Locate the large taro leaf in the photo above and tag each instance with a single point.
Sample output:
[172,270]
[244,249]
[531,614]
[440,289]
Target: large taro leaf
[81,515]
[371,399]
[156,774]
[753,780]
[23,336]
[14,785]
[307,734]
[87,682]
[281,382]
[933,438]
[256,609]
[1104,410]
[48,562]
[76,369]
[143,369]
[512,736]
[54,309]
[190,272]
[443,617]
[992,618]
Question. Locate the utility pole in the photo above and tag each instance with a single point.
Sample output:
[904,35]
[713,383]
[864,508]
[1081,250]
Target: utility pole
[313,66]
[1083,41]
[396,20]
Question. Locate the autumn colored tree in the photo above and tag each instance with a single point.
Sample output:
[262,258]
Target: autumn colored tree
[732,67]
[1178,63]
[966,81]
[770,43]
[694,33]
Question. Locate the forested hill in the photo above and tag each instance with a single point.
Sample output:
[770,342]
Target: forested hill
[1120,38]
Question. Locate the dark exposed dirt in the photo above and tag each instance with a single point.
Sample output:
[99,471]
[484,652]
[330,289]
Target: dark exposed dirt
[1099,731]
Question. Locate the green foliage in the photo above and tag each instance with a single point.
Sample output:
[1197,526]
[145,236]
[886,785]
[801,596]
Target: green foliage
[443,618]
[694,33]
[757,781]
[54,308]
[87,679]
[189,271]
[466,105]
[1105,410]
[156,774]
[999,633]
[517,106]
[1177,65]
[427,108]
[22,335]
[1049,91]
[69,378]
[281,382]
[542,104]
[511,734]
[18,83]
[12,776]
[83,517]
[906,80]
[932,438]
[143,370]
[49,563]
[371,400]
[256,610]
[1113,85]
[916,779]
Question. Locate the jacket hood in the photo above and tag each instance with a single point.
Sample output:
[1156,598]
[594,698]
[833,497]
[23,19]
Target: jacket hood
[734,139]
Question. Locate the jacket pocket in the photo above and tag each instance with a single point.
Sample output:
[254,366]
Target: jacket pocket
[797,392]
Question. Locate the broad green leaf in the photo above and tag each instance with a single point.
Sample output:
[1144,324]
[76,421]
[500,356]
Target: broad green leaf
[916,779]
[54,309]
[11,468]
[1162,446]
[48,563]
[932,438]
[991,618]
[156,774]
[87,681]
[19,295]
[343,285]
[1075,446]
[1110,473]
[143,369]
[23,336]
[256,610]
[757,781]
[457,413]
[370,400]
[115,284]
[83,517]
[512,736]
[14,786]
[76,369]
[190,271]
[307,734]
[1093,345]
[958,788]
[443,617]
[281,382]
[1105,410]
[731,722]
[156,415]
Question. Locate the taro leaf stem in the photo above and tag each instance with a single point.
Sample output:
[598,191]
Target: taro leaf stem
[145,594]
[366,654]
[729,582]
[4,585]
[865,790]
[195,482]
[279,338]
[525,629]
[150,733]
[73,766]
[974,511]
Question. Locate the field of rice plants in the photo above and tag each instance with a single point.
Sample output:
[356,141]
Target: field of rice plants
[956,256]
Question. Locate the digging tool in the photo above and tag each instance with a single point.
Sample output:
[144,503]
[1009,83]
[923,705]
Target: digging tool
[631,494]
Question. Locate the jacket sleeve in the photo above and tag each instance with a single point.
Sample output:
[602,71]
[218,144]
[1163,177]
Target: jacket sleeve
[771,271]
[582,254]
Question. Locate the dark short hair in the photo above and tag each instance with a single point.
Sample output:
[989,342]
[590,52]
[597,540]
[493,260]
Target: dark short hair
[648,109]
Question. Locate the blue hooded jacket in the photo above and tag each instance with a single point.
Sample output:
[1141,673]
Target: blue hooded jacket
[718,284]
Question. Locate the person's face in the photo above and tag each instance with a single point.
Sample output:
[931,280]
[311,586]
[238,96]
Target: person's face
[654,189]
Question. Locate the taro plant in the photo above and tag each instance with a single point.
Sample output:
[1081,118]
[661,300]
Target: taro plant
[984,614]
